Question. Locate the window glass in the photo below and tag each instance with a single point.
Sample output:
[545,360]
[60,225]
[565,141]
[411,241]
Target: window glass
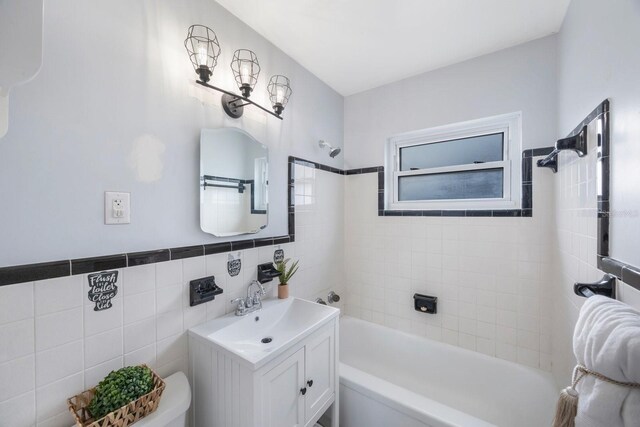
[464,151]
[478,184]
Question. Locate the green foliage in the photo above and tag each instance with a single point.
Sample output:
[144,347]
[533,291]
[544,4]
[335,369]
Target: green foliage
[286,274]
[119,388]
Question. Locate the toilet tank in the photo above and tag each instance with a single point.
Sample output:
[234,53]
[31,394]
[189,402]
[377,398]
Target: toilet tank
[174,404]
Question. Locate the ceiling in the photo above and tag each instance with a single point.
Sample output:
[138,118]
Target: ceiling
[355,45]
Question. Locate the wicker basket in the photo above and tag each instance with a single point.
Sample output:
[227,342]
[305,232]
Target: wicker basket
[122,417]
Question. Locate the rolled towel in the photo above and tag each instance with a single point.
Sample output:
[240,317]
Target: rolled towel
[606,344]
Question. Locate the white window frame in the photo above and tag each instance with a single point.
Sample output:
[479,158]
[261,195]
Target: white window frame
[509,124]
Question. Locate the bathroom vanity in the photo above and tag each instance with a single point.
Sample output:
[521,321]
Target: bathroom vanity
[276,367]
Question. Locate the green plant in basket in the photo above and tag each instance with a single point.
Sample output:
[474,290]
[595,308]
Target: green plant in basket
[286,273]
[119,388]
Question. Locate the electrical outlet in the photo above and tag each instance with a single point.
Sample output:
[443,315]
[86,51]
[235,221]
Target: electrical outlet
[117,208]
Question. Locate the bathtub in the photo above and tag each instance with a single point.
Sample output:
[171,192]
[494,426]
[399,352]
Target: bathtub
[392,379]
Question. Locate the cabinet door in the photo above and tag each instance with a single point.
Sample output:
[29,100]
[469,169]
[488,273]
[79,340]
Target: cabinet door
[282,399]
[320,371]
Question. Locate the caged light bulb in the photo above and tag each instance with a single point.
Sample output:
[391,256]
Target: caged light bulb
[280,95]
[202,55]
[244,75]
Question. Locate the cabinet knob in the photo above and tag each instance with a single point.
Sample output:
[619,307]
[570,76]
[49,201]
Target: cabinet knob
[303,391]
[310,383]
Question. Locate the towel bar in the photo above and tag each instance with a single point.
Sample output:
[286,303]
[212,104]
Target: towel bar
[605,286]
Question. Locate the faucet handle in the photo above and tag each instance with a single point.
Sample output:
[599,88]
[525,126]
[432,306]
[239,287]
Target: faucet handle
[239,301]
[333,297]
[241,309]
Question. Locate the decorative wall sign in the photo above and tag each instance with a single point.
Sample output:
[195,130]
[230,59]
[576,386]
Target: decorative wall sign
[102,289]
[234,266]
[278,255]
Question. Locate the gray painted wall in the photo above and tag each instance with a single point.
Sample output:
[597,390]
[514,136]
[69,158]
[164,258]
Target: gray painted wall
[114,107]
[599,58]
[522,78]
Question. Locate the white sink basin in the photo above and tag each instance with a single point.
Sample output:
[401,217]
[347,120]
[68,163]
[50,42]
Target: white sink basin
[259,337]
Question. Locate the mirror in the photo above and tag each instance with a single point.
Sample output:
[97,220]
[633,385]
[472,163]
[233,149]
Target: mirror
[234,179]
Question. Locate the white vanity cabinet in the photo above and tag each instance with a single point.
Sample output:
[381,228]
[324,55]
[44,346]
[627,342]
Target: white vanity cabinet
[291,386]
[297,391]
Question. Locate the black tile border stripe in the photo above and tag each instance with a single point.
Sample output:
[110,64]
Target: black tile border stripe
[34,272]
[217,248]
[41,271]
[88,265]
[187,252]
[148,257]
[627,273]
[526,210]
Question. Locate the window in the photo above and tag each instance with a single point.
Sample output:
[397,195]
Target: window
[468,165]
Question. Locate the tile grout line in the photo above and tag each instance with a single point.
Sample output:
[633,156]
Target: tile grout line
[35,393]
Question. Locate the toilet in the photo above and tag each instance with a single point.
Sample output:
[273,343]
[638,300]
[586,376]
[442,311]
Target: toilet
[174,404]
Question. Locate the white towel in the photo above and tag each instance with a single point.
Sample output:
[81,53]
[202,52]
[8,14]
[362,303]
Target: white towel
[607,340]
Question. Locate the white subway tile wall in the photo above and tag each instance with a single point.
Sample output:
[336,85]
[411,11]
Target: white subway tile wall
[491,275]
[495,278]
[576,216]
[55,345]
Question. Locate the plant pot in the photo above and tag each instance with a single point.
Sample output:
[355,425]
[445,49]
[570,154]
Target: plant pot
[283,291]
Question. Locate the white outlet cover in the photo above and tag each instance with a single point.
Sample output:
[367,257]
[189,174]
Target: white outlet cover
[117,208]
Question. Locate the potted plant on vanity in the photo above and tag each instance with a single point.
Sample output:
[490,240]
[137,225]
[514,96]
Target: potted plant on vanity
[285,275]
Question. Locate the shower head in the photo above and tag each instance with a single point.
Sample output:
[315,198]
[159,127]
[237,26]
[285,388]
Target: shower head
[333,152]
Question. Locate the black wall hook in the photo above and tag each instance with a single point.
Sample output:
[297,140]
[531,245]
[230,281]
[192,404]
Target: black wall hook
[577,143]
[605,286]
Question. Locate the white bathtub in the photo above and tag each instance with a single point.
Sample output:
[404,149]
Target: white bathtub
[393,379]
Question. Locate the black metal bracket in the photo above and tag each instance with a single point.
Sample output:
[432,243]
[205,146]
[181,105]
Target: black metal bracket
[229,100]
[577,143]
[425,303]
[203,290]
[266,272]
[605,286]
[551,162]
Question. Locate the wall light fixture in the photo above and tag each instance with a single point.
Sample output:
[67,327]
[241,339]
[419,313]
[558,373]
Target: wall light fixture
[203,49]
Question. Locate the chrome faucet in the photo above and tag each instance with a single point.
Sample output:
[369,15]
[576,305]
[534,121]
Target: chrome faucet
[255,300]
[252,302]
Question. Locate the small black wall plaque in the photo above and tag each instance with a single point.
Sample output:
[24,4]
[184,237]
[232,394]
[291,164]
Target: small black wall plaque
[102,289]
[234,266]
[278,255]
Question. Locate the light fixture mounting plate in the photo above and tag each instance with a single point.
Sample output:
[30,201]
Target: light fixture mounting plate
[232,105]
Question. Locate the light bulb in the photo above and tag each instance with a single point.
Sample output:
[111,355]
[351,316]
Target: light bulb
[202,55]
[244,75]
[279,95]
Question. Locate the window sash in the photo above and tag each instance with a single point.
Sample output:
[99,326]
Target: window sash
[508,124]
[506,182]
[505,142]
